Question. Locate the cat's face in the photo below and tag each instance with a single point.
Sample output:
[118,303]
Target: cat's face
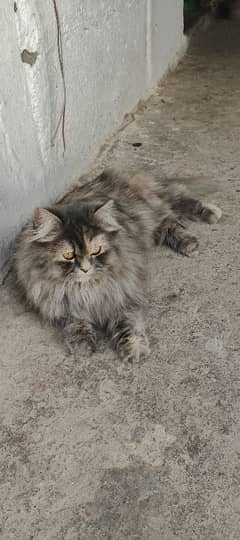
[76,242]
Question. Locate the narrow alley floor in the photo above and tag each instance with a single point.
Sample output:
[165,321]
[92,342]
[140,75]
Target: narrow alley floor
[93,450]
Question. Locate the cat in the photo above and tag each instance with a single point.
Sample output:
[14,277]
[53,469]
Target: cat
[83,262]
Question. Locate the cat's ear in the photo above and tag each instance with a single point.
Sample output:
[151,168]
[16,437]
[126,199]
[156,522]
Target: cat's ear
[46,224]
[106,217]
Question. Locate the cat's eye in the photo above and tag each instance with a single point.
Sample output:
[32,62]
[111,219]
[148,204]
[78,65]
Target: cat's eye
[69,255]
[97,251]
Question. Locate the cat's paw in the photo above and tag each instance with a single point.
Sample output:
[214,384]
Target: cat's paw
[211,213]
[137,347]
[188,246]
[80,347]
[79,339]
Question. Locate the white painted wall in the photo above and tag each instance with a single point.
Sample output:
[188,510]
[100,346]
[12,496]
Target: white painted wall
[114,52]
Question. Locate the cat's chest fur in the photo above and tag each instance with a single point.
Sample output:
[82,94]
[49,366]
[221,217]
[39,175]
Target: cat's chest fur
[98,300]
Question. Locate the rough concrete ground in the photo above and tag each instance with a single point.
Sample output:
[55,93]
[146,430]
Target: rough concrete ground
[91,449]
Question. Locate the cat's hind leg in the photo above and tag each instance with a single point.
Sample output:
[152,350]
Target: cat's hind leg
[172,233]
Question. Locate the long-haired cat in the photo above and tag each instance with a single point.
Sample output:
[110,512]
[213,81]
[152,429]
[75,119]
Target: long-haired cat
[83,262]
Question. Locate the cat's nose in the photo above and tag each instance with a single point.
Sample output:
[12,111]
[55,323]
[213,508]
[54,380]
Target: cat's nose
[85,265]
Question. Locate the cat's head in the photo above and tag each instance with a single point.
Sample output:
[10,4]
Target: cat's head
[76,241]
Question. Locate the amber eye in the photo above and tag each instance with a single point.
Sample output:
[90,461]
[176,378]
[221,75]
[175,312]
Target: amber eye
[69,255]
[97,251]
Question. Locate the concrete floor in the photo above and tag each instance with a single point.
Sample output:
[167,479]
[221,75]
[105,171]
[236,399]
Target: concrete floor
[91,449]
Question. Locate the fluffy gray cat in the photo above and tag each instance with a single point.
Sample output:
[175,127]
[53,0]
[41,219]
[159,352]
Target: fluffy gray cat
[83,263]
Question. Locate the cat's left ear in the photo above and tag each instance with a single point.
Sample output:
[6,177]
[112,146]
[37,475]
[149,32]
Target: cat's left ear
[106,217]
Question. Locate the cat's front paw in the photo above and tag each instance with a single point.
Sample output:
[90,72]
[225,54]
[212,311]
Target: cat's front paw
[80,347]
[135,348]
[80,339]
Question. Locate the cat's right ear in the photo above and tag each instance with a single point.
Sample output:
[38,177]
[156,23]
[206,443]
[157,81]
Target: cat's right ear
[105,216]
[46,224]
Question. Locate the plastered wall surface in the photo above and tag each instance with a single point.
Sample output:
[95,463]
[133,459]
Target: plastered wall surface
[114,51]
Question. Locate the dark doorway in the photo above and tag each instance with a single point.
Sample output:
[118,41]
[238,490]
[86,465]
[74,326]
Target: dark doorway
[192,11]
